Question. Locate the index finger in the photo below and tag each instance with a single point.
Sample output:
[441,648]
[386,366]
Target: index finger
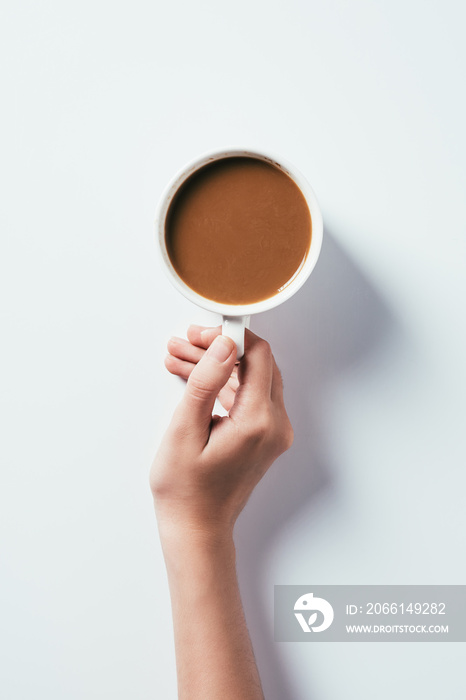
[255,376]
[203,336]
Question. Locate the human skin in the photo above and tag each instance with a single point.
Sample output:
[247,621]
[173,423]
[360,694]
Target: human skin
[202,476]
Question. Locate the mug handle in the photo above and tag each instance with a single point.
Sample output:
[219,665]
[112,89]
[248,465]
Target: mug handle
[233,327]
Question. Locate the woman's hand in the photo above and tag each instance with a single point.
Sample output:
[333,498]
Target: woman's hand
[207,465]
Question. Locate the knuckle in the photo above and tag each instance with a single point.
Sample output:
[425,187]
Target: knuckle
[261,427]
[283,435]
[288,436]
[158,476]
[265,349]
[157,484]
[198,388]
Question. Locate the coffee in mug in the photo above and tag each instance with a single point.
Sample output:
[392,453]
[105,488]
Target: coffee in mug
[238,230]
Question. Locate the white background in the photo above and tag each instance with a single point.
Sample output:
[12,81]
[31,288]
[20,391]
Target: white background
[101,103]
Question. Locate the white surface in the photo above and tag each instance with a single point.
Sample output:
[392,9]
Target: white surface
[102,103]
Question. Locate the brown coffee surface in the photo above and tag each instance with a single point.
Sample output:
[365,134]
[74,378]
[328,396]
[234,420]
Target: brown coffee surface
[238,230]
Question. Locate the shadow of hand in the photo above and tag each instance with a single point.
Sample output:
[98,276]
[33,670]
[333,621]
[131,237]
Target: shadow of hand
[335,321]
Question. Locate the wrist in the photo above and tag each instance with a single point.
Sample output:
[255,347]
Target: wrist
[183,533]
[190,519]
[197,556]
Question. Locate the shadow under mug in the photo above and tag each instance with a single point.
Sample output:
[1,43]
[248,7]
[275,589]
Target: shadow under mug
[236,317]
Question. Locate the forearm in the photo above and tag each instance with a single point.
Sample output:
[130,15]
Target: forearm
[213,649]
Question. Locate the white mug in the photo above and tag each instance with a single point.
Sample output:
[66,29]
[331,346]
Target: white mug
[236,317]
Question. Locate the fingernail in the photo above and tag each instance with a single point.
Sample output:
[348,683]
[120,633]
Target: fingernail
[206,334]
[220,349]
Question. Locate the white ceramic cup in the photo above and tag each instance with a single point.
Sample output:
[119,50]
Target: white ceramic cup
[236,317]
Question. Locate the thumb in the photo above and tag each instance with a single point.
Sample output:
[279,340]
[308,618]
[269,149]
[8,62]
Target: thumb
[205,381]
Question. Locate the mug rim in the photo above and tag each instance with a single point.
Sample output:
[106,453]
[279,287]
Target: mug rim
[302,273]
